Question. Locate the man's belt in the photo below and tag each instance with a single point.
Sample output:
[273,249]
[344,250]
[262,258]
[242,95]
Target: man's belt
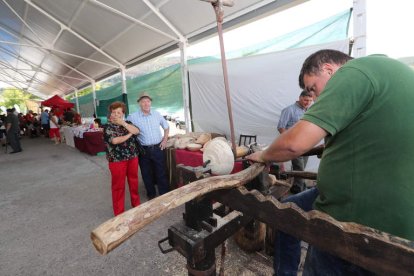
[151,146]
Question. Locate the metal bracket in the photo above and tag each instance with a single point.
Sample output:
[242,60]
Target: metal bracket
[164,251]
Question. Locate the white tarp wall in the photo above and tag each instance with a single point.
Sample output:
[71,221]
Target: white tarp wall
[260,87]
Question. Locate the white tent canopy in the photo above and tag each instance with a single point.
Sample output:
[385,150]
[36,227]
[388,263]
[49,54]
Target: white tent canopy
[58,46]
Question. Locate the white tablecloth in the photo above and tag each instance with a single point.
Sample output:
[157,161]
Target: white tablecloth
[68,134]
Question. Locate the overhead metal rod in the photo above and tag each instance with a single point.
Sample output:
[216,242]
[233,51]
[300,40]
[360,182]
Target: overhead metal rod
[56,50]
[54,57]
[69,29]
[218,9]
[23,21]
[13,85]
[32,65]
[20,75]
[157,12]
[115,11]
[37,93]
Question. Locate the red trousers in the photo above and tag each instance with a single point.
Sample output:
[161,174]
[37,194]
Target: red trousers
[120,170]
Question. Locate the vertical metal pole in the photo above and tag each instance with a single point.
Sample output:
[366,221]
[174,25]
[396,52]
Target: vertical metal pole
[360,28]
[185,87]
[123,78]
[77,101]
[94,97]
[218,8]
[124,89]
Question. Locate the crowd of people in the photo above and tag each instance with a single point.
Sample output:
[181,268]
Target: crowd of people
[15,125]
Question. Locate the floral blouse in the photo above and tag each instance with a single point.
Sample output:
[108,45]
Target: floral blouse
[123,151]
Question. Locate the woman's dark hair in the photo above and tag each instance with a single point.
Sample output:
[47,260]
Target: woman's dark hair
[98,121]
[116,105]
[314,62]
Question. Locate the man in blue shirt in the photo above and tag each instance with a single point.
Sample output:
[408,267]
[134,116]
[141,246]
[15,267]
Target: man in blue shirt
[152,163]
[44,120]
[290,115]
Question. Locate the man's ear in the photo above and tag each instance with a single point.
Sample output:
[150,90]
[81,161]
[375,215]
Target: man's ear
[328,68]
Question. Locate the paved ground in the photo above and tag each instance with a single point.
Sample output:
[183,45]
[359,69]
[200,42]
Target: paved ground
[52,196]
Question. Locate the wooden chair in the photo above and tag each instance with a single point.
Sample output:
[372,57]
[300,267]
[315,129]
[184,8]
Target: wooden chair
[246,140]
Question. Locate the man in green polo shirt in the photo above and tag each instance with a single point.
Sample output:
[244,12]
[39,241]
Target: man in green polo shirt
[364,113]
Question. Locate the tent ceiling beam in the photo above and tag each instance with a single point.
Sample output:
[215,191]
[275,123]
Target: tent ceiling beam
[152,54]
[55,58]
[157,12]
[26,9]
[14,83]
[10,78]
[52,46]
[25,77]
[34,67]
[23,21]
[71,67]
[51,49]
[19,74]
[36,93]
[126,16]
[31,64]
[15,86]
[69,29]
[76,13]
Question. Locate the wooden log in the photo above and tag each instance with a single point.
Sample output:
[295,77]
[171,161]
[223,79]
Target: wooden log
[315,151]
[113,232]
[302,174]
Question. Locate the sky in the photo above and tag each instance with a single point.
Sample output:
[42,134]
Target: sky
[388,27]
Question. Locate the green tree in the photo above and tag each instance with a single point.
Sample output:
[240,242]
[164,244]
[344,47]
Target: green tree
[12,96]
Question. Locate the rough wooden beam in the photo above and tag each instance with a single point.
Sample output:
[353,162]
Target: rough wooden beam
[369,248]
[112,233]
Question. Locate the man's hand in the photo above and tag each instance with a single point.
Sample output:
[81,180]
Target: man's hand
[163,144]
[256,157]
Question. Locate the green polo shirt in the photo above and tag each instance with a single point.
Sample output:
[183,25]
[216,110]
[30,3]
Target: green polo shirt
[365,175]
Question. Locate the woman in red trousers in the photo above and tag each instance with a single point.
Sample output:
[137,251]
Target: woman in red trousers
[122,155]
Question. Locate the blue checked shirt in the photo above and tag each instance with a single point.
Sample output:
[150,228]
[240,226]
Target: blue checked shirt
[149,126]
[290,115]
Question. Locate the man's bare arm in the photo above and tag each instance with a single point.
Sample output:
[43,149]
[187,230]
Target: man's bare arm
[165,138]
[292,143]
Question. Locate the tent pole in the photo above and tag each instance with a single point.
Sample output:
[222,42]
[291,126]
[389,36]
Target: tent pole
[360,28]
[218,8]
[94,96]
[77,101]
[184,83]
[123,78]
[124,88]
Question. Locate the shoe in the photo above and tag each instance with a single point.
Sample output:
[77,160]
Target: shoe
[15,151]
